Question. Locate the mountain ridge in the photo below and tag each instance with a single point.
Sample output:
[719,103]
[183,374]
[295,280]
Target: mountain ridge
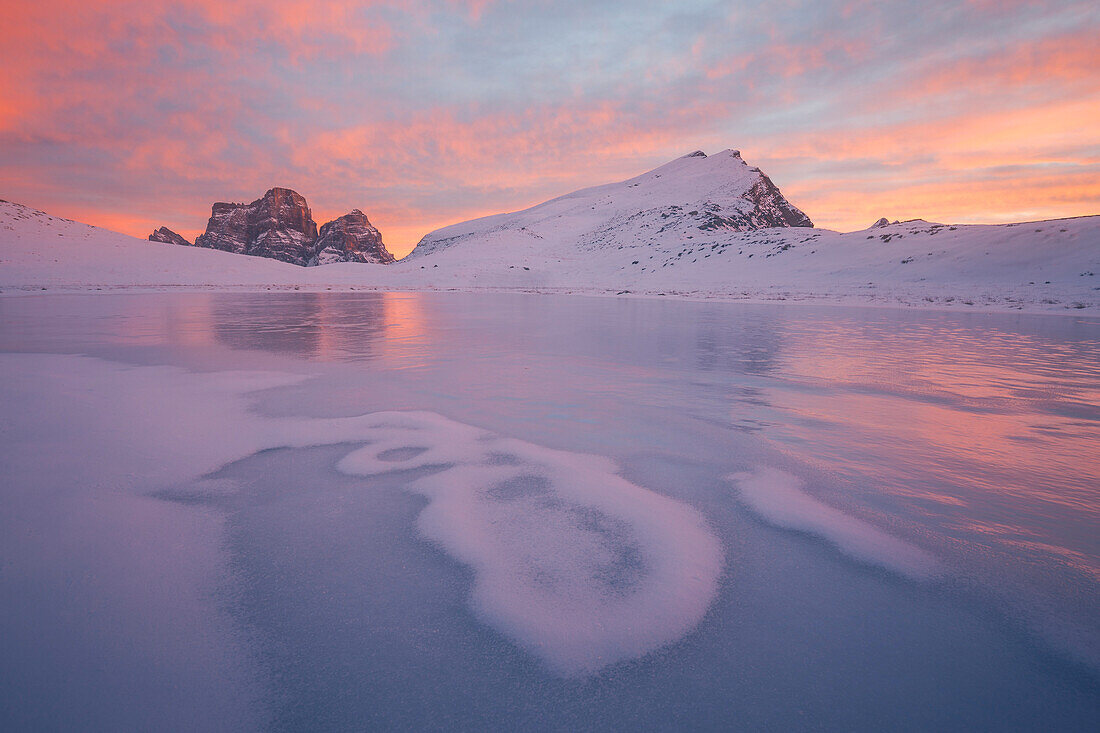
[652,235]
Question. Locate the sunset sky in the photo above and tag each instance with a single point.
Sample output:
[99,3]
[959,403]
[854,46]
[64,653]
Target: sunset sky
[131,114]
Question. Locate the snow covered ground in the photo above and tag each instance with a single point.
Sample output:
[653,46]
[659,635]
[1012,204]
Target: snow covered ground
[669,232]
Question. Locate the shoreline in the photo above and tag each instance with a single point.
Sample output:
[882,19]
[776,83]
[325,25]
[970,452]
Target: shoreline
[942,302]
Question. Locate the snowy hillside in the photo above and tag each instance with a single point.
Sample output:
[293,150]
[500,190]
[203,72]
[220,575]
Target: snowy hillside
[41,251]
[679,230]
[1048,265]
[696,193]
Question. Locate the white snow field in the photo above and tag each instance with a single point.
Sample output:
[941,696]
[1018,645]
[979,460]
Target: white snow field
[477,511]
[668,232]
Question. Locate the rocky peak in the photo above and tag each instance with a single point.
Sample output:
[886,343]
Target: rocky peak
[351,238]
[283,221]
[166,235]
[278,225]
[770,208]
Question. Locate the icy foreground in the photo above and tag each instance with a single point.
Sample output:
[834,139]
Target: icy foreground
[476,511]
[578,566]
[686,229]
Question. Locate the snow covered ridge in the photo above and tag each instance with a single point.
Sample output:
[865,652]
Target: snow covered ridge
[692,194]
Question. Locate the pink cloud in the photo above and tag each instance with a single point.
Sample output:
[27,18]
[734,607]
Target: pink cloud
[1067,60]
[787,60]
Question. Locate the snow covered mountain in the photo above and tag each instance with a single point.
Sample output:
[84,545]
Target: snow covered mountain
[278,225]
[695,194]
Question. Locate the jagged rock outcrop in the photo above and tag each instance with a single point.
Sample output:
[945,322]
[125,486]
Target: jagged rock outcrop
[883,222]
[769,209]
[166,235]
[350,238]
[278,225]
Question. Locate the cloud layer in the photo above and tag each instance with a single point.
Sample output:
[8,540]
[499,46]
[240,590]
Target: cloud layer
[133,114]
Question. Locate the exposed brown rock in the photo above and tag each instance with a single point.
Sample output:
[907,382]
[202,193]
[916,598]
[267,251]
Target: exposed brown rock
[166,235]
[351,238]
[278,225]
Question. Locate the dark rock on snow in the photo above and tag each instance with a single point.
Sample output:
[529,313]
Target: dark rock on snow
[280,226]
[770,209]
[166,235]
[277,225]
[351,238]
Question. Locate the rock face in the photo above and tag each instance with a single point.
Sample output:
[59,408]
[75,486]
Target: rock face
[351,238]
[278,225]
[769,209]
[166,235]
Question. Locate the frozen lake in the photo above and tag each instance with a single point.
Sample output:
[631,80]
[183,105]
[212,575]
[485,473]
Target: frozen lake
[470,511]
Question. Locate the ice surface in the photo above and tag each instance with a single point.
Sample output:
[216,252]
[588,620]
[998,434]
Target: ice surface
[409,511]
[110,618]
[780,499]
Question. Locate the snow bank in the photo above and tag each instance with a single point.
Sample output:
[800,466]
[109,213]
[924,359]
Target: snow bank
[574,563]
[777,498]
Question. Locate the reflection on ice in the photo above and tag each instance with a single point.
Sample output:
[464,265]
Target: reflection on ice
[573,562]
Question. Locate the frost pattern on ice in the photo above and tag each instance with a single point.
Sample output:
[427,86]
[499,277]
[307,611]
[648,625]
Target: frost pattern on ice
[575,564]
[777,498]
[572,562]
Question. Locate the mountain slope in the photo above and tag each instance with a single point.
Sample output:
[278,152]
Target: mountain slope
[688,196]
[1047,265]
[39,251]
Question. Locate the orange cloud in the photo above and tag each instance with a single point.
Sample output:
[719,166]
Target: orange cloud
[984,166]
[1068,60]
